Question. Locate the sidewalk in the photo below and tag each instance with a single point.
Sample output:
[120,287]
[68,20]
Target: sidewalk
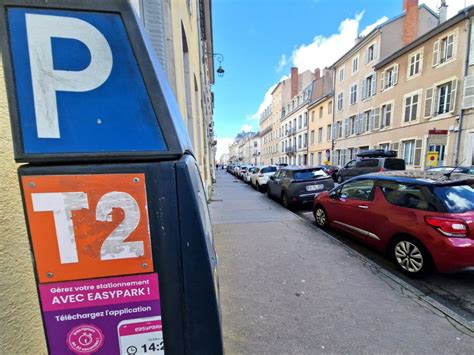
[288,288]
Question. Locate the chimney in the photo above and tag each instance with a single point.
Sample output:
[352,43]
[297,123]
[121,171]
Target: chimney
[294,81]
[410,23]
[443,11]
[317,73]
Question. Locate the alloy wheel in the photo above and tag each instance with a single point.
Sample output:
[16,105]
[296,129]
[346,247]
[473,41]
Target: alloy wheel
[320,217]
[409,256]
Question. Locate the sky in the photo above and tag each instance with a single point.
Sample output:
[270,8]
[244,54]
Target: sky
[262,39]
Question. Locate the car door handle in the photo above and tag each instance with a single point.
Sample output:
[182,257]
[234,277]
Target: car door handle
[363,207]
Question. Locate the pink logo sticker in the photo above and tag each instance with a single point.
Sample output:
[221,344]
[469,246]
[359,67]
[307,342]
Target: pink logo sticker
[85,339]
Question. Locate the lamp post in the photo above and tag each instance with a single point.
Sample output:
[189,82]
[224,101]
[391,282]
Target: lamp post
[220,58]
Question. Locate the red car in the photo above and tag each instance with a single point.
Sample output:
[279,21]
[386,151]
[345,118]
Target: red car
[422,220]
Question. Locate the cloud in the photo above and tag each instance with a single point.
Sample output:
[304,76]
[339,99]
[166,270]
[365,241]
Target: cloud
[223,146]
[281,63]
[246,128]
[453,5]
[323,51]
[267,100]
[369,28]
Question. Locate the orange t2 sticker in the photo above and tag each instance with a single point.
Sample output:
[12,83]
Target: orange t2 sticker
[88,226]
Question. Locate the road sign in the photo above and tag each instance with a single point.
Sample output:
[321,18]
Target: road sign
[432,159]
[87,226]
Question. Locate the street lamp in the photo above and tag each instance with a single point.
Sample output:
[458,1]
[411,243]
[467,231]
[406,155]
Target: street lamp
[220,58]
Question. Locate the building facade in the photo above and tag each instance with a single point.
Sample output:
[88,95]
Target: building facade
[356,88]
[180,32]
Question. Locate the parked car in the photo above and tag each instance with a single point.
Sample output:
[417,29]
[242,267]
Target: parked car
[248,173]
[242,171]
[236,170]
[331,170]
[370,161]
[453,169]
[260,177]
[294,185]
[421,220]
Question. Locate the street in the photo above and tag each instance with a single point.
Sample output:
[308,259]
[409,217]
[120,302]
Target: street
[286,286]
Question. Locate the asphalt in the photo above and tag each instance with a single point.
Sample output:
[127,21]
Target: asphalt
[288,288]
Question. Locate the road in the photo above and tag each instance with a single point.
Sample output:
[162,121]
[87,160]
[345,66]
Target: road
[286,286]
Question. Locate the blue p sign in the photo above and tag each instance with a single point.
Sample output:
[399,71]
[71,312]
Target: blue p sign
[78,85]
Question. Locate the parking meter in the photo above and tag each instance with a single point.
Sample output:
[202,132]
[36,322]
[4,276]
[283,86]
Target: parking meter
[115,208]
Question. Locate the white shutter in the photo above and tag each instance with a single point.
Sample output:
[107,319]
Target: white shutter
[364,89]
[418,145]
[375,51]
[334,131]
[374,84]
[366,52]
[153,21]
[382,81]
[376,118]
[468,94]
[395,74]
[435,53]
[346,127]
[371,120]
[429,102]
[452,103]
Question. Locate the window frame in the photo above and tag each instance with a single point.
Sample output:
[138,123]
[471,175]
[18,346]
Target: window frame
[418,108]
[357,59]
[353,94]
[420,52]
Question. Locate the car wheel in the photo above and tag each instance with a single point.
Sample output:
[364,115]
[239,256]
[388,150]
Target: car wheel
[340,179]
[285,200]
[320,216]
[411,257]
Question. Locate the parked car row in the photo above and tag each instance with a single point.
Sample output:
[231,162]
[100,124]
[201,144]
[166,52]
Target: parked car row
[422,220]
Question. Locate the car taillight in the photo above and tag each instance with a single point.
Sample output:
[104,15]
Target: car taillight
[382,169]
[448,227]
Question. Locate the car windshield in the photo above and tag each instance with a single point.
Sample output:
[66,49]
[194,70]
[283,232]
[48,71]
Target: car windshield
[269,169]
[309,174]
[457,199]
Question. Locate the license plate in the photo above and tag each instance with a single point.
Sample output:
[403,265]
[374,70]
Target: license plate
[314,187]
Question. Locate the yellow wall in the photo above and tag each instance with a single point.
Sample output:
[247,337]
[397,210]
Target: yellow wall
[20,319]
[314,123]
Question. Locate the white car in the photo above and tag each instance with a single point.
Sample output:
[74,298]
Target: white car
[248,173]
[259,178]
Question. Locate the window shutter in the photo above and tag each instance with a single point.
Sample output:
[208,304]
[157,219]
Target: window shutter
[376,118]
[428,103]
[364,89]
[395,74]
[468,97]
[434,111]
[435,53]
[366,55]
[395,147]
[375,51]
[363,123]
[346,127]
[452,103]
[382,81]
[371,120]
[374,84]
[334,131]
[357,124]
[418,144]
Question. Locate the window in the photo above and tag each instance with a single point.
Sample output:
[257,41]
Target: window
[408,151]
[371,53]
[390,77]
[444,99]
[341,74]
[411,108]
[358,190]
[368,86]
[305,119]
[339,129]
[305,140]
[384,146]
[320,134]
[312,137]
[443,49]
[320,158]
[355,64]
[328,133]
[353,94]
[340,101]
[386,120]
[352,125]
[312,116]
[300,121]
[410,196]
[299,142]
[367,163]
[330,107]
[415,64]
[321,112]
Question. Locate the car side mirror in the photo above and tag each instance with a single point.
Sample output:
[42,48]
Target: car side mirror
[272,177]
[333,195]
[343,196]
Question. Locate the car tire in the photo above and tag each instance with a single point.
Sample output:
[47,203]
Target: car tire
[320,217]
[258,187]
[411,257]
[285,201]
[340,179]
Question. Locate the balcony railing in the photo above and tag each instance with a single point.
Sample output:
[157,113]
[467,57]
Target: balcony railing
[291,131]
[290,150]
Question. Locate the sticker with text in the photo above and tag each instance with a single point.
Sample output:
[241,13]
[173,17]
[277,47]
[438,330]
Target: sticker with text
[141,336]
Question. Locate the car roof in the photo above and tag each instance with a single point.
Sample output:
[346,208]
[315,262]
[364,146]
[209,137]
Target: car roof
[420,177]
[299,167]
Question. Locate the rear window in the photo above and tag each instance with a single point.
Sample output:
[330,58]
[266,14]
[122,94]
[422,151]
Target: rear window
[457,199]
[309,174]
[270,169]
[368,163]
[410,196]
[394,164]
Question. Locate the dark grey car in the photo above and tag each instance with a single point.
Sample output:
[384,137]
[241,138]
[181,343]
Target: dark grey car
[294,185]
[368,165]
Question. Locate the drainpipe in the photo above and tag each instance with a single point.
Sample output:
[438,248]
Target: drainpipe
[466,71]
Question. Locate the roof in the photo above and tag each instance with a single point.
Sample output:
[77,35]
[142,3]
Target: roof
[463,14]
[420,177]
[371,34]
[299,167]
